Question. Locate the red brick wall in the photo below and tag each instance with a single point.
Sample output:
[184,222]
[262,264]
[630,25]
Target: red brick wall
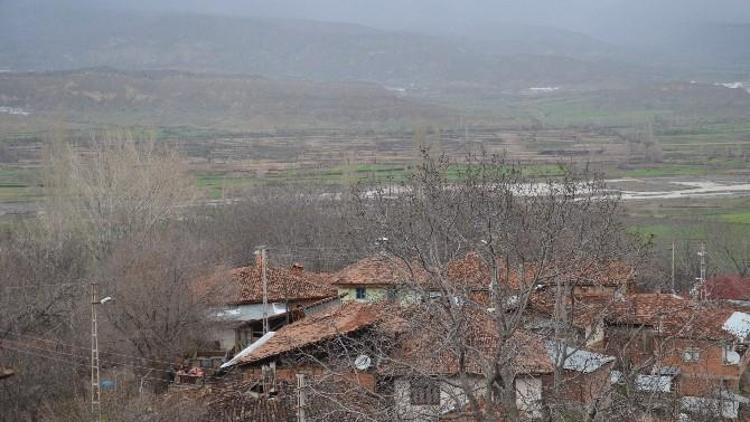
[696,378]
[578,387]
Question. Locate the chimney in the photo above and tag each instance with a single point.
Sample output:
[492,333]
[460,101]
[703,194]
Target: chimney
[258,258]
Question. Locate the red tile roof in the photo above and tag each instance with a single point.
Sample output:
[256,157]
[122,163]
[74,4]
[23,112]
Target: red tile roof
[728,287]
[473,272]
[347,319]
[669,314]
[426,350]
[378,270]
[242,286]
[672,315]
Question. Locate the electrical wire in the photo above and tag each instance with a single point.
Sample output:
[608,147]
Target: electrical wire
[73,355]
[57,342]
[42,285]
[67,361]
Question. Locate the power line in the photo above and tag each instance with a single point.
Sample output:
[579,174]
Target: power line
[60,360]
[41,349]
[57,342]
[42,285]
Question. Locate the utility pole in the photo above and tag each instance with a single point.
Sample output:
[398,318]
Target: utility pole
[702,278]
[673,266]
[301,398]
[96,392]
[96,389]
[261,251]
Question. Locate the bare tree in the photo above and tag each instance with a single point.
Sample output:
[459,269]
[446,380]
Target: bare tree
[119,186]
[525,232]
[729,246]
[160,306]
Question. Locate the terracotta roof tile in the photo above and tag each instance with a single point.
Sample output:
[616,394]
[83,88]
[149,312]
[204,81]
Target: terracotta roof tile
[378,270]
[474,272]
[670,314]
[344,320]
[244,285]
[728,287]
[422,351]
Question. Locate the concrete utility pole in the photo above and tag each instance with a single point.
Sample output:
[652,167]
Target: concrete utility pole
[96,389]
[96,392]
[702,278]
[261,251]
[673,266]
[301,398]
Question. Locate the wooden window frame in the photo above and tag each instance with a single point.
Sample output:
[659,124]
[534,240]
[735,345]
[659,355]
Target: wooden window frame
[424,391]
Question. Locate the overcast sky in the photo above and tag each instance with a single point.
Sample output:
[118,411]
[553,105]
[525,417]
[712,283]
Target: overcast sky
[571,14]
[606,19]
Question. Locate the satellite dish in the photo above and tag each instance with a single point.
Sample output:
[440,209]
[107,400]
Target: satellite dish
[363,362]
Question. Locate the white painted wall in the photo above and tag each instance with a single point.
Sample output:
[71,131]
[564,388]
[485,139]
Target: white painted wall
[529,396]
[528,399]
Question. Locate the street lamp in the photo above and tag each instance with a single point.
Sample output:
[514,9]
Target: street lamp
[96,392]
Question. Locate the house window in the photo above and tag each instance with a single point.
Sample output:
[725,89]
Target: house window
[391,295]
[691,355]
[729,355]
[361,293]
[424,392]
[647,341]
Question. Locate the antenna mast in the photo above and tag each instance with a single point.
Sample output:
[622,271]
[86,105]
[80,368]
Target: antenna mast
[702,278]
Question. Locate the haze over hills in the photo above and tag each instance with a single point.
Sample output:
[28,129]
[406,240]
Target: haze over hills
[103,96]
[60,38]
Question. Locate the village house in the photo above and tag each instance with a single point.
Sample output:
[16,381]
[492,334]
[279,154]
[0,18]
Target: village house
[307,337]
[374,279]
[426,377]
[328,354]
[387,277]
[238,313]
[422,384]
[694,351]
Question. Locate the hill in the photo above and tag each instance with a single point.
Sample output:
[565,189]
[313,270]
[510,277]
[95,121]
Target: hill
[101,96]
[54,38]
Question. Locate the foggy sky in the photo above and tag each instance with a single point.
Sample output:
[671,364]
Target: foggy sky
[591,16]
[609,20]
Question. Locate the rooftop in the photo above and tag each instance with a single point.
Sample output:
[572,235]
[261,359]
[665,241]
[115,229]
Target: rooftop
[427,351]
[473,272]
[668,314]
[377,270]
[243,286]
[576,359]
[728,287]
[344,320]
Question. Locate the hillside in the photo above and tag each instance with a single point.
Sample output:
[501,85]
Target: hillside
[103,96]
[57,38]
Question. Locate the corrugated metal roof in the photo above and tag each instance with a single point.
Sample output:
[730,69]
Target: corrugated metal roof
[738,324]
[578,360]
[654,383]
[243,313]
[249,349]
[311,330]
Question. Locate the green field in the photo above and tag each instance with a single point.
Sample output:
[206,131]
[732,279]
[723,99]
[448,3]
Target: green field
[17,184]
